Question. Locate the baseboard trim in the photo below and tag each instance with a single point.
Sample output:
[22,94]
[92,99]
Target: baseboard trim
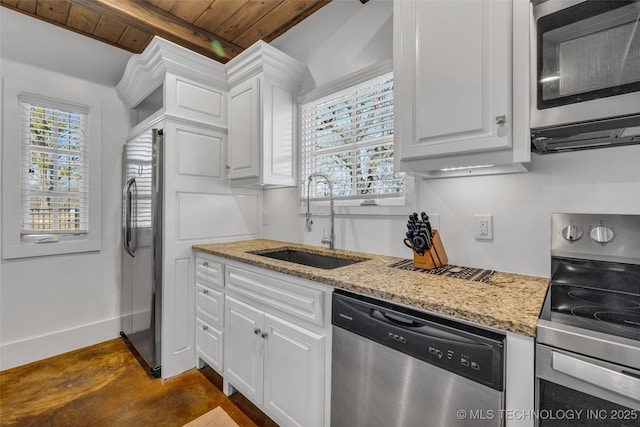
[29,350]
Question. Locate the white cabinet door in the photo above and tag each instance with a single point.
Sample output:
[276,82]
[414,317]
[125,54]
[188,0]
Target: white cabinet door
[209,344]
[244,348]
[279,149]
[452,76]
[244,130]
[294,373]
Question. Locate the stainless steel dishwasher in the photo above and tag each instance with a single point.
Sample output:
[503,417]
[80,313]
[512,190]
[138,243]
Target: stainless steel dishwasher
[395,366]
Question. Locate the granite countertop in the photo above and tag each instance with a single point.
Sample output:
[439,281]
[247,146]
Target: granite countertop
[510,302]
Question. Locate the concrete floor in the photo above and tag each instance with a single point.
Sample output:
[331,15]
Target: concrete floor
[104,385]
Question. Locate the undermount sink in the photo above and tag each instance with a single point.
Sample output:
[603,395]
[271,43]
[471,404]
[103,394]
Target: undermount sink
[326,262]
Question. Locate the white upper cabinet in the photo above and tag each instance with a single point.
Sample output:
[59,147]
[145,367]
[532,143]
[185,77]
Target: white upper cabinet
[456,85]
[262,117]
[176,83]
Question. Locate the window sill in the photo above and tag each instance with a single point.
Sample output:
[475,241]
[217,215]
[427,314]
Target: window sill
[28,248]
[383,207]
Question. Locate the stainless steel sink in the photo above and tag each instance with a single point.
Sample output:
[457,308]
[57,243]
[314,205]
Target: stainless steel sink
[326,262]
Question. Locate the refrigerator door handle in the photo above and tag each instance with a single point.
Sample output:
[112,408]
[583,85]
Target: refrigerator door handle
[129,208]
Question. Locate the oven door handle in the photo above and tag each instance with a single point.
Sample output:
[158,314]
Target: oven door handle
[617,382]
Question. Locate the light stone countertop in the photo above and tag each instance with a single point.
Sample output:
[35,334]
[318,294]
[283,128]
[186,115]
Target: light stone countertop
[510,302]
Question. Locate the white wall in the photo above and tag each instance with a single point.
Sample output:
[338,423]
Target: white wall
[598,181]
[50,305]
[342,37]
[605,180]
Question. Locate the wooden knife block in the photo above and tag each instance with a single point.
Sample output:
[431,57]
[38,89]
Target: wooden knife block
[434,257]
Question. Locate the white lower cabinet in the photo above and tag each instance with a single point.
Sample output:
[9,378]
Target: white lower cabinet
[209,283]
[293,372]
[275,364]
[277,345]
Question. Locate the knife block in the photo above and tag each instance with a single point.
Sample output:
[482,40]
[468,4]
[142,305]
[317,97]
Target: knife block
[434,257]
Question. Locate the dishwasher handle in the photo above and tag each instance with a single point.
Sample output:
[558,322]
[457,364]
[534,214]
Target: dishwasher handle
[424,329]
[394,319]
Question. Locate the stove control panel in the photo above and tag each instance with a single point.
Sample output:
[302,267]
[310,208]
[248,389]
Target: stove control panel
[603,237]
[600,234]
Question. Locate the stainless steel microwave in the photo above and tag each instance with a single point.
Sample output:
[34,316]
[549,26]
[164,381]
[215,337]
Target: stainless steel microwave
[585,74]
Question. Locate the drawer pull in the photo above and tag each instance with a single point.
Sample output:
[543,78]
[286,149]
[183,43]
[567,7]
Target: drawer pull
[205,291]
[256,331]
[205,328]
[264,335]
[205,264]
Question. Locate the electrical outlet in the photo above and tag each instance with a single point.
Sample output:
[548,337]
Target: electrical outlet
[483,227]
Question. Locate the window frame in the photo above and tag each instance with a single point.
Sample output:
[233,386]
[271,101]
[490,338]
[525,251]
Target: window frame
[354,206]
[15,243]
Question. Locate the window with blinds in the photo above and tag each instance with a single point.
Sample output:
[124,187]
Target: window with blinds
[348,135]
[55,181]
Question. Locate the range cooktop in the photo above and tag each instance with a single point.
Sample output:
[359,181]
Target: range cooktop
[595,274]
[615,313]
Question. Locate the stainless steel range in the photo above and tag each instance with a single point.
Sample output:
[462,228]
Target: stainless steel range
[588,334]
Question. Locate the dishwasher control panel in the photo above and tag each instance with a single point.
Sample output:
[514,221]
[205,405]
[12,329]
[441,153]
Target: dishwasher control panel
[460,360]
[469,351]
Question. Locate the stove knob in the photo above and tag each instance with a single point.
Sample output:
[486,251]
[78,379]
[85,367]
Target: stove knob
[572,233]
[602,234]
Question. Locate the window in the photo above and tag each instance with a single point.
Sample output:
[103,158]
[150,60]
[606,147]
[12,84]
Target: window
[348,135]
[51,168]
[55,180]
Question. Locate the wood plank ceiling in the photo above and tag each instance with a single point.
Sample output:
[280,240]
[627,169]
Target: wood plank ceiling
[219,29]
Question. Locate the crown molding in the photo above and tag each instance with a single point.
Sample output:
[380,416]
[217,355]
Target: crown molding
[146,72]
[261,57]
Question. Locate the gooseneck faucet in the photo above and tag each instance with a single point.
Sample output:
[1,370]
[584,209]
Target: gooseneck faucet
[308,222]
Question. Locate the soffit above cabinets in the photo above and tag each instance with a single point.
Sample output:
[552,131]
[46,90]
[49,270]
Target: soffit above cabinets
[218,29]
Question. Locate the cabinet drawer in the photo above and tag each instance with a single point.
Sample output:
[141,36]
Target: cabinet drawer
[288,296]
[209,344]
[208,272]
[209,304]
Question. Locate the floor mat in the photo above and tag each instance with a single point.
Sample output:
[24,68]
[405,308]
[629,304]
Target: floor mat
[214,418]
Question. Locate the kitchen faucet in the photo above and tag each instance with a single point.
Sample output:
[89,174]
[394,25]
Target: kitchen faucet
[308,221]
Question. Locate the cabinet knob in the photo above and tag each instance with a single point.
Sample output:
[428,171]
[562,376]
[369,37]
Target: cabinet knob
[205,264]
[205,291]
[227,168]
[205,328]
[264,335]
[256,331]
[501,120]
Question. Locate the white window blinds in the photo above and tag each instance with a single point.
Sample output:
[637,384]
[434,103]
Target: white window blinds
[348,135]
[55,180]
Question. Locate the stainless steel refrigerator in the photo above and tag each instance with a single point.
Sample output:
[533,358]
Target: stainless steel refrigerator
[141,302]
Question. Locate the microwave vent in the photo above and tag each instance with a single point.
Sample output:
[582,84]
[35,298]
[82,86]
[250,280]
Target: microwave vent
[610,132]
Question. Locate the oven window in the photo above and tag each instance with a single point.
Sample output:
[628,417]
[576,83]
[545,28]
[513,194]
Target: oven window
[564,407]
[588,51]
